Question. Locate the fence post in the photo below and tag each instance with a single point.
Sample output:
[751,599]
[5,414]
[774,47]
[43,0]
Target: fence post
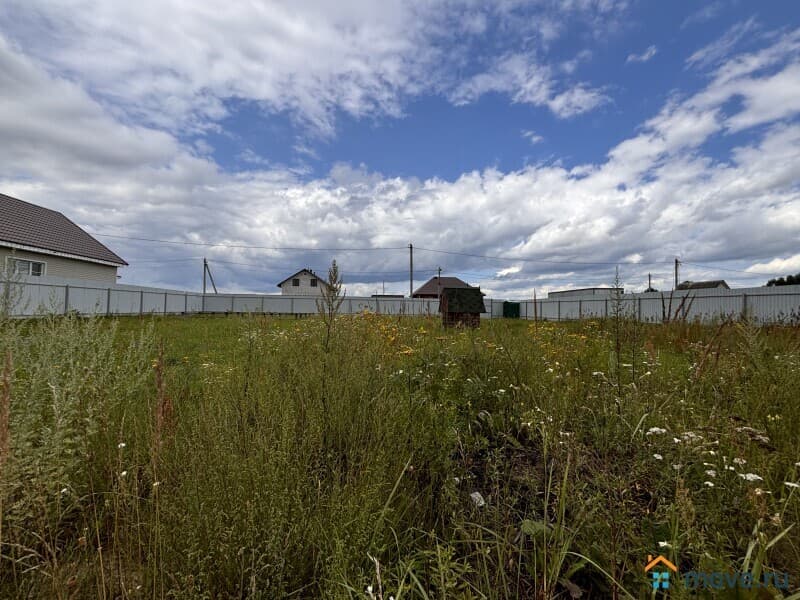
[640,307]
[232,303]
[291,306]
[558,302]
[165,304]
[350,305]
[141,301]
[108,302]
[605,309]
[580,310]
[66,299]
[262,304]
[744,306]
[185,302]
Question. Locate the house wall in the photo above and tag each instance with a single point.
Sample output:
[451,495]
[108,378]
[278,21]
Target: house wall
[305,288]
[68,268]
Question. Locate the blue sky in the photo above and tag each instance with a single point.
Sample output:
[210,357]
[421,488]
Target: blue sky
[567,136]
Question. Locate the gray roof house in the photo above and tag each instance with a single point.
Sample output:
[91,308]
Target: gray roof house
[435,285]
[703,285]
[303,283]
[37,242]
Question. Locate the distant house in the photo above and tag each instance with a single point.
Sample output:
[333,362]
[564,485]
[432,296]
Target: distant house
[602,292]
[303,283]
[461,306]
[434,286]
[703,285]
[38,242]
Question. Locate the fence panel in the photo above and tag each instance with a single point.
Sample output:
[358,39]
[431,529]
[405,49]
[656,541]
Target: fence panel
[36,299]
[124,302]
[176,303]
[774,308]
[247,304]
[87,301]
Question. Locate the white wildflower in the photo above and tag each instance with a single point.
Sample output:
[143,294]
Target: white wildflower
[64,490]
[658,457]
[664,545]
[708,484]
[123,474]
[739,461]
[751,477]
[121,445]
[656,431]
[677,466]
[791,484]
[477,498]
[711,473]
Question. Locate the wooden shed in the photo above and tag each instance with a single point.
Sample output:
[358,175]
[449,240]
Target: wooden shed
[461,306]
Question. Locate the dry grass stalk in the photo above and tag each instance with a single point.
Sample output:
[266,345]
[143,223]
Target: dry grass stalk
[5,411]
[164,408]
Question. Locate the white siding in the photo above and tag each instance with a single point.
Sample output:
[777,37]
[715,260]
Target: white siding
[67,268]
[304,289]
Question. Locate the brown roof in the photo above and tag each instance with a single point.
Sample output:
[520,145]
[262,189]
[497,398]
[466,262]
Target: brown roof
[702,285]
[26,224]
[434,286]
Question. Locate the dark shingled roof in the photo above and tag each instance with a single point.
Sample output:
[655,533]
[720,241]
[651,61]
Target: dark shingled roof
[38,227]
[702,285]
[464,300]
[432,286]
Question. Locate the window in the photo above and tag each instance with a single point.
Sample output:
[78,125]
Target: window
[295,283]
[313,283]
[26,267]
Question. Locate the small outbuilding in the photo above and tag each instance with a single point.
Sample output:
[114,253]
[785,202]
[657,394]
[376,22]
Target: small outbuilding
[461,306]
[434,286]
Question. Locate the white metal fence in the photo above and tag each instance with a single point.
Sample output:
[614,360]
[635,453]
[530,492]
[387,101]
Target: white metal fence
[29,298]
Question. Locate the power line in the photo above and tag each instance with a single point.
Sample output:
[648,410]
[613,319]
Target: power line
[391,248]
[712,267]
[542,260]
[254,266]
[247,247]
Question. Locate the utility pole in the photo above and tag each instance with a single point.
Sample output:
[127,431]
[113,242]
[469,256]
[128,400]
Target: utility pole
[439,282]
[410,270]
[677,263]
[207,270]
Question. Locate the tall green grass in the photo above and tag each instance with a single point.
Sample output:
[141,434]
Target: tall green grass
[262,458]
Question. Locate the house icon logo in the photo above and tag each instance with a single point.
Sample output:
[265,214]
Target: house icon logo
[660,577]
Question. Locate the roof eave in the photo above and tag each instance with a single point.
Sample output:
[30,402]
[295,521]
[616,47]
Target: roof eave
[39,250]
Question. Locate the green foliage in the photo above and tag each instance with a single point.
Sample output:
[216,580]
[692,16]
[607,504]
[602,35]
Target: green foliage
[316,457]
[788,280]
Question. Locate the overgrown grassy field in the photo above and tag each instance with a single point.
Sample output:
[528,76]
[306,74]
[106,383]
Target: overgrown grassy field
[256,457]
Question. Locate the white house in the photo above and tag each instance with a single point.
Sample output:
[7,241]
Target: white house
[39,242]
[303,283]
